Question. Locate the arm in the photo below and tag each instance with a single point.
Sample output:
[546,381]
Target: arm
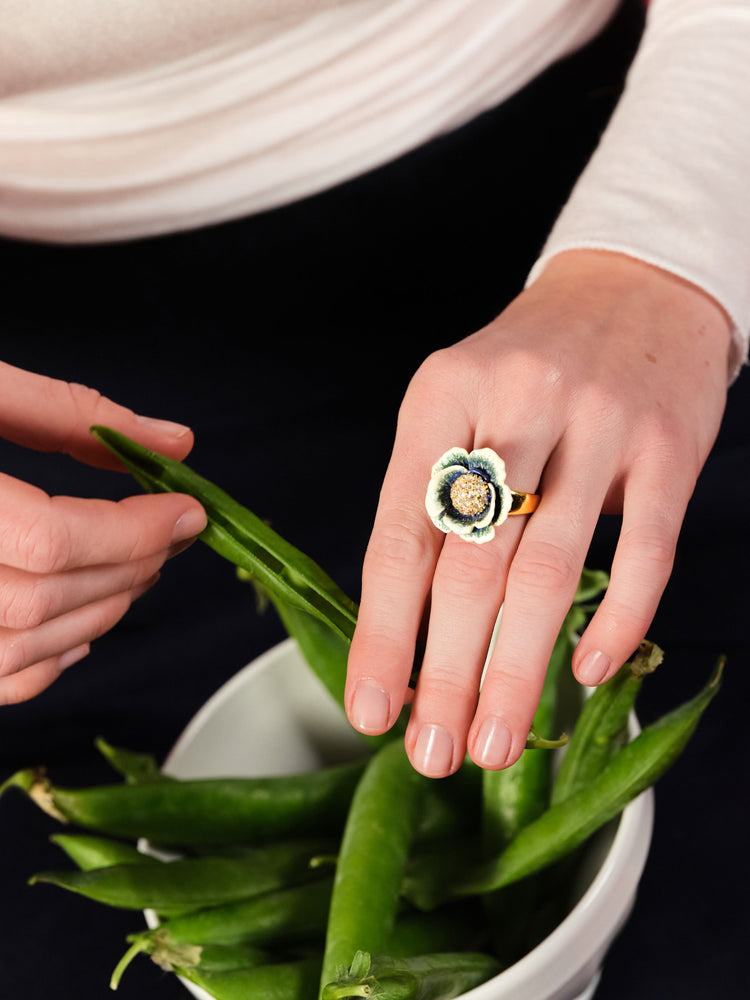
[602,386]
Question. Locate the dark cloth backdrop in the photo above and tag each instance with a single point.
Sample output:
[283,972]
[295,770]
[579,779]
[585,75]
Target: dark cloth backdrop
[286,341]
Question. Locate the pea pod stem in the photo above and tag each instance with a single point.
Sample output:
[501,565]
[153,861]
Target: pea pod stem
[238,535]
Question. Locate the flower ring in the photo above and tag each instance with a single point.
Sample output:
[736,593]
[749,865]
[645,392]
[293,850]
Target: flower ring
[468,494]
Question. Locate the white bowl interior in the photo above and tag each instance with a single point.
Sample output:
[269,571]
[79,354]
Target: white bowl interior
[275,717]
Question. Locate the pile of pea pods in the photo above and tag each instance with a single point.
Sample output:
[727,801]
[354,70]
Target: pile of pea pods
[362,879]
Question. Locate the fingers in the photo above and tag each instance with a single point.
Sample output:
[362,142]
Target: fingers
[27,599]
[396,579]
[52,415]
[542,580]
[31,659]
[45,535]
[652,515]
[29,683]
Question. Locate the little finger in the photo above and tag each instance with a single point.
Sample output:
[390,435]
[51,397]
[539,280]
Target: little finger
[641,568]
[33,680]
[23,648]
[27,599]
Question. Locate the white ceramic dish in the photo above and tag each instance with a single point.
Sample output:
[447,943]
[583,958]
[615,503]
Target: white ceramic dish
[274,717]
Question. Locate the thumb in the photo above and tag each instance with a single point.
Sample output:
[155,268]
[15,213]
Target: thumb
[48,414]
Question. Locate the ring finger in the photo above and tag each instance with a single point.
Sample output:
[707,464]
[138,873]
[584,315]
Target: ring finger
[468,590]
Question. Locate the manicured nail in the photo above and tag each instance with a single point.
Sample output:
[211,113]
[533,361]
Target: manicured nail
[73,656]
[191,523]
[166,427]
[433,752]
[593,668]
[492,745]
[371,708]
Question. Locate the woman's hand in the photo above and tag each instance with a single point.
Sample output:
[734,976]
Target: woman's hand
[602,386]
[70,568]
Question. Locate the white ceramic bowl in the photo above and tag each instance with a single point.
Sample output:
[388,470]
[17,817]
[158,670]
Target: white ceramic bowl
[274,717]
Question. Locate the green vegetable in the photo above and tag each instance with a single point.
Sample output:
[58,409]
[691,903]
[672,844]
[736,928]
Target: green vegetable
[283,981]
[426,977]
[136,768]
[99,852]
[192,883]
[516,796]
[602,726]
[239,536]
[370,869]
[210,811]
[566,825]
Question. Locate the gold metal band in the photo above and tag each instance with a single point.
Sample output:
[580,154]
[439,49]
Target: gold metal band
[524,503]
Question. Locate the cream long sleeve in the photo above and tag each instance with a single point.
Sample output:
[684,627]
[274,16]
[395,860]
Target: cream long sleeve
[669,181]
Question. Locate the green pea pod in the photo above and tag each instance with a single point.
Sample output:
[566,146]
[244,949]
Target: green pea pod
[281,981]
[514,796]
[383,816]
[136,768]
[602,726]
[284,916]
[239,536]
[90,852]
[566,825]
[192,883]
[426,977]
[208,812]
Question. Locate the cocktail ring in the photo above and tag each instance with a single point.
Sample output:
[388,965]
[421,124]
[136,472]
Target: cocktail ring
[468,494]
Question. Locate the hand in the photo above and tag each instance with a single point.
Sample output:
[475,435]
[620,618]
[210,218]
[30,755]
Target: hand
[70,568]
[602,386]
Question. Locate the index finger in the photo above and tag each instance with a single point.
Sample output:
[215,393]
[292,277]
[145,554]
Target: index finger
[396,579]
[43,534]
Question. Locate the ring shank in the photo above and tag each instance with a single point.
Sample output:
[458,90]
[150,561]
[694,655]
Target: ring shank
[523,503]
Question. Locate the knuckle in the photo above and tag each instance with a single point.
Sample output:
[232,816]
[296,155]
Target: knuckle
[398,549]
[43,545]
[545,568]
[650,548]
[25,604]
[467,570]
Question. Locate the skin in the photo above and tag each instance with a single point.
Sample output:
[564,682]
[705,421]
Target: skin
[602,386]
[69,567]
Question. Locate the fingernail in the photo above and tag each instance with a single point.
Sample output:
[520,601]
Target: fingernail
[593,668]
[492,745]
[371,707]
[433,752]
[191,523]
[167,427]
[73,656]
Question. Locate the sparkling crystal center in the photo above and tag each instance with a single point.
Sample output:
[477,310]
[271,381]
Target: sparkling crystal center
[470,494]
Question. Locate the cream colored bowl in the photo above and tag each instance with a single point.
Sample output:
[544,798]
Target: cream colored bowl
[274,717]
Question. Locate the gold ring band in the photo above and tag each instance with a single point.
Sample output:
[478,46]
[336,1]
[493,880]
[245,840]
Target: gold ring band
[468,494]
[523,503]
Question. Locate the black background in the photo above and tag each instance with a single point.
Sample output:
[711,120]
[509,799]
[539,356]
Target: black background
[286,341]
